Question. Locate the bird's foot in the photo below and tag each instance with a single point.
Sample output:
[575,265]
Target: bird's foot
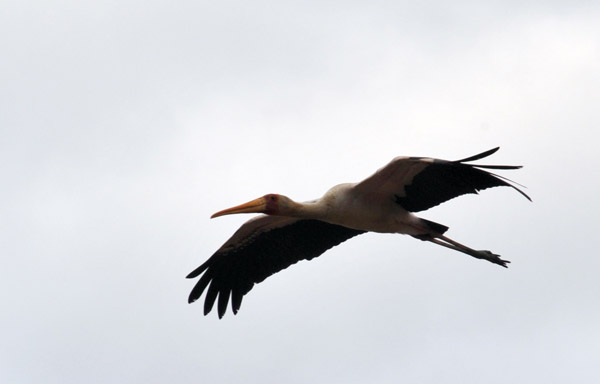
[492,257]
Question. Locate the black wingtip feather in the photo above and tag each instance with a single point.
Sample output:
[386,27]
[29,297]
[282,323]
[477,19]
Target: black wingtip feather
[199,287]
[236,300]
[196,272]
[479,156]
[211,296]
[232,273]
[508,182]
[444,180]
[223,300]
[498,166]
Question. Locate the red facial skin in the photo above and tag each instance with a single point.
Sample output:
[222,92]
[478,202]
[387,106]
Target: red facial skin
[272,201]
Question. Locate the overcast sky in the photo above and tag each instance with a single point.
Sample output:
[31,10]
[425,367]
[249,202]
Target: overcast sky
[125,124]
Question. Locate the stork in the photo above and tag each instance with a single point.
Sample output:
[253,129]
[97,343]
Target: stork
[385,202]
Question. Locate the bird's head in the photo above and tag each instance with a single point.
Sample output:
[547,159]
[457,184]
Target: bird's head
[271,204]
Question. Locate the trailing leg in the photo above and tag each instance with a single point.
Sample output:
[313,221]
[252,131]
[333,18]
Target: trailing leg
[485,255]
[434,232]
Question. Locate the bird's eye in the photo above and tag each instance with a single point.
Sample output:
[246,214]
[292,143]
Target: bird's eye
[273,198]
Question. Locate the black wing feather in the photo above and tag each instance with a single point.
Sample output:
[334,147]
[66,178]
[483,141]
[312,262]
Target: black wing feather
[232,271]
[443,180]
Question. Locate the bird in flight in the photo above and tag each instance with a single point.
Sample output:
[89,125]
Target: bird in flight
[289,231]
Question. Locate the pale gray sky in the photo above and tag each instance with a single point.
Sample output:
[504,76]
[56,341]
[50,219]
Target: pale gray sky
[125,124]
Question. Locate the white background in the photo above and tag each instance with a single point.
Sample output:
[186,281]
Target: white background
[125,124]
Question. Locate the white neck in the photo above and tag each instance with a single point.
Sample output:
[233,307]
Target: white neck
[309,210]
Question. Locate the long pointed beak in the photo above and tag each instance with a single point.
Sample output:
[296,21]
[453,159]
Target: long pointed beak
[254,206]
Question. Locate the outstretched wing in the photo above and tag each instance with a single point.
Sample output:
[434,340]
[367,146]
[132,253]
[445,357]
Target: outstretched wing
[419,183]
[260,248]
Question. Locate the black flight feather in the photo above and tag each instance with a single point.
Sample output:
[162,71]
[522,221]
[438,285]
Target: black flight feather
[443,180]
[232,272]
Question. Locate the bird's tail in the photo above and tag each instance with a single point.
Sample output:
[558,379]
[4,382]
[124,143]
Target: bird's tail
[435,228]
